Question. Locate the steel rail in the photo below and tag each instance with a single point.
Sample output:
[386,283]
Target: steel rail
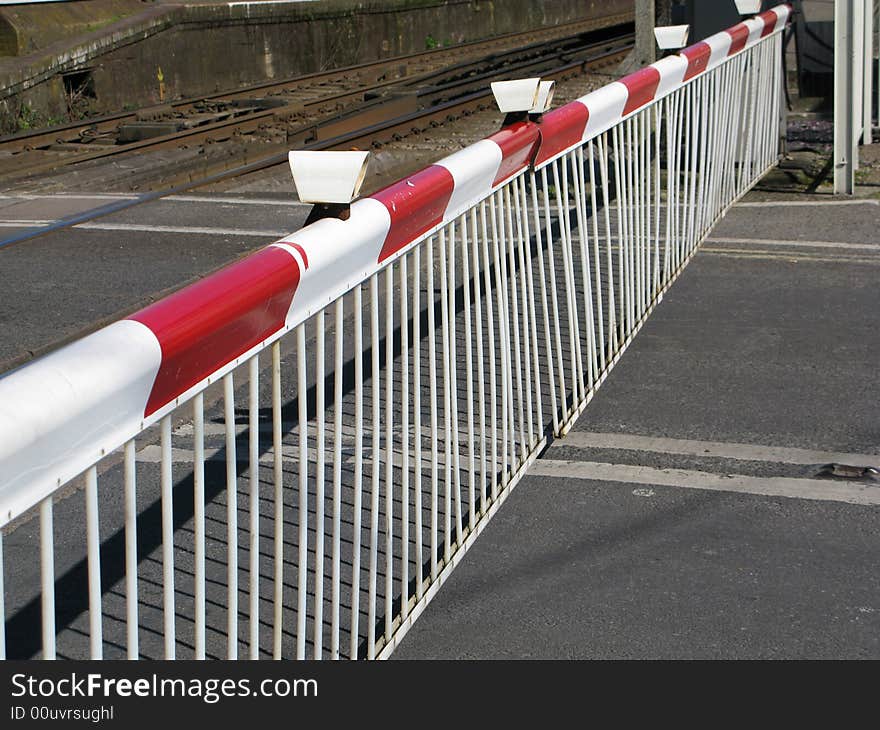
[376,134]
[472,73]
[34,139]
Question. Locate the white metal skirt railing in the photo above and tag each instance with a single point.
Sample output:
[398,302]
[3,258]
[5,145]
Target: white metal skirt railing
[288,458]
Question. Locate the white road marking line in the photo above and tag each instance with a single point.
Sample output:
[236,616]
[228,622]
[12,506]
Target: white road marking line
[799,244]
[714,449]
[189,230]
[813,489]
[23,223]
[152,454]
[790,256]
[235,201]
[803,203]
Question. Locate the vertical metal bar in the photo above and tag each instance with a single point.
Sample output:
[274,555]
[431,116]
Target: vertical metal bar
[655,271]
[375,394]
[417,416]
[481,378]
[602,143]
[597,269]
[404,439]
[278,478]
[231,519]
[339,325]
[501,307]
[254,505]
[453,385]
[529,294]
[93,542]
[469,365]
[318,628]
[131,561]
[47,576]
[302,563]
[358,469]
[199,522]
[490,323]
[526,319]
[514,319]
[554,301]
[167,540]
[389,450]
[698,136]
[619,175]
[542,275]
[673,154]
[574,330]
[432,387]
[622,164]
[577,173]
[447,399]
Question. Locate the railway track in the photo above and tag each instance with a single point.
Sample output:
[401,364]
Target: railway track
[226,131]
[214,155]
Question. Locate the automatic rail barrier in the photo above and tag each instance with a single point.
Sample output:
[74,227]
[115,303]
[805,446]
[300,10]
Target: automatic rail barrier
[397,372]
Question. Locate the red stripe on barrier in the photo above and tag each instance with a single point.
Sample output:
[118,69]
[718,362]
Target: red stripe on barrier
[641,85]
[697,57]
[415,205]
[517,143]
[562,129]
[769,19]
[211,322]
[739,36]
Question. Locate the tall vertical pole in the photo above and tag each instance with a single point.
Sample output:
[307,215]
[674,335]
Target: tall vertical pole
[844,98]
[645,43]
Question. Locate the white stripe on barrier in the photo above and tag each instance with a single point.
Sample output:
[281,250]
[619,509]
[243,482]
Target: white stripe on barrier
[720,48]
[672,70]
[340,255]
[606,107]
[473,170]
[63,412]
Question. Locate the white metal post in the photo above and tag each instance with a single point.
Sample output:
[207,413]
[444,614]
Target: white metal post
[844,138]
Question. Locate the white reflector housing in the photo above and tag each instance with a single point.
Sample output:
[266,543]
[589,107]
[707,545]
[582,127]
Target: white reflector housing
[748,7]
[520,95]
[328,177]
[545,97]
[672,36]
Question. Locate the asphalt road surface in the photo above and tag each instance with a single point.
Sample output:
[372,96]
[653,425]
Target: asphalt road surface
[685,516]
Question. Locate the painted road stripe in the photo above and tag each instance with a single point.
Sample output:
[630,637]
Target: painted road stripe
[803,203]
[177,229]
[801,244]
[714,449]
[235,201]
[813,489]
[791,256]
